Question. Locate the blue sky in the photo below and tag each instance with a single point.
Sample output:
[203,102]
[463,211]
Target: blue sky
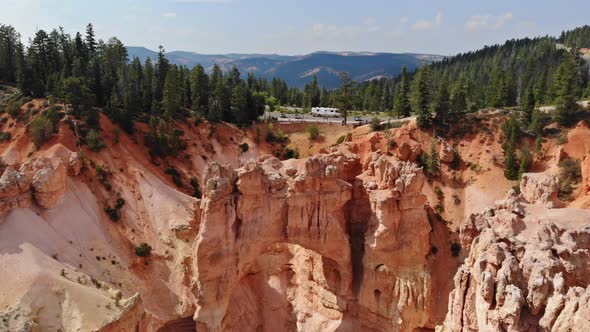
[298,27]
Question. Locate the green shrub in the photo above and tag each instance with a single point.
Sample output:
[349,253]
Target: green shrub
[196,188]
[439,208]
[290,154]
[103,175]
[116,135]
[95,143]
[143,250]
[41,130]
[313,131]
[270,136]
[52,115]
[375,124]
[114,213]
[570,173]
[341,139]
[455,249]
[439,193]
[173,172]
[456,164]
[244,147]
[13,108]
[433,250]
[5,137]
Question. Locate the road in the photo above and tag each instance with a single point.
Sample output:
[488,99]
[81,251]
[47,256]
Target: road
[308,118]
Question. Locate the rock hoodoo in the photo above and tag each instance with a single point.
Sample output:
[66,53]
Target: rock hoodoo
[527,266]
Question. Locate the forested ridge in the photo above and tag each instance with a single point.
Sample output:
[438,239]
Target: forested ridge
[94,75]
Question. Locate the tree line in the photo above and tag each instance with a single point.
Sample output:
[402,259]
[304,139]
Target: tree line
[520,72]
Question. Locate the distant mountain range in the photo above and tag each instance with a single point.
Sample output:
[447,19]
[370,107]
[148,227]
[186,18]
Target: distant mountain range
[299,69]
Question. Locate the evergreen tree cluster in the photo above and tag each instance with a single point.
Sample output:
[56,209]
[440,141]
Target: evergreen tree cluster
[578,37]
[89,73]
[523,72]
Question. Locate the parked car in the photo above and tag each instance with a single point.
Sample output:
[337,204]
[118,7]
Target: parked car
[283,115]
[298,116]
[357,119]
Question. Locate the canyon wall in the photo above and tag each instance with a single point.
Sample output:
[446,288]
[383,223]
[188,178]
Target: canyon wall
[527,267]
[320,245]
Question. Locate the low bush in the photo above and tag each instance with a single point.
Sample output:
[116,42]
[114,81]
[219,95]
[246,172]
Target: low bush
[290,154]
[103,174]
[143,250]
[13,108]
[173,172]
[313,131]
[114,213]
[95,143]
[433,250]
[341,139]
[196,188]
[439,193]
[41,130]
[244,147]
[455,249]
[570,173]
[375,124]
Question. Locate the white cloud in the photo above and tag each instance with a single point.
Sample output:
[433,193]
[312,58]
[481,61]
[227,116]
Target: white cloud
[488,21]
[403,20]
[325,30]
[438,18]
[502,19]
[319,28]
[422,25]
[169,15]
[428,24]
[371,24]
[369,21]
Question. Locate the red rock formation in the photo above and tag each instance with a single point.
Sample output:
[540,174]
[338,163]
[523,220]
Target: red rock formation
[525,269]
[325,252]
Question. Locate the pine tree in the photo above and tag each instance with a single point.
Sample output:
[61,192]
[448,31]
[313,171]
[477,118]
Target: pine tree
[324,98]
[402,104]
[90,40]
[565,90]
[171,97]
[161,72]
[218,99]
[511,168]
[199,91]
[442,101]
[239,100]
[344,94]
[459,96]
[528,103]
[537,122]
[147,85]
[422,97]
[433,160]
[526,160]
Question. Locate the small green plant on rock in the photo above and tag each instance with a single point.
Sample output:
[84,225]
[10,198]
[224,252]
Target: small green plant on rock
[143,250]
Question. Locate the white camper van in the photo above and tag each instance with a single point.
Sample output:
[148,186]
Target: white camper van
[325,112]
